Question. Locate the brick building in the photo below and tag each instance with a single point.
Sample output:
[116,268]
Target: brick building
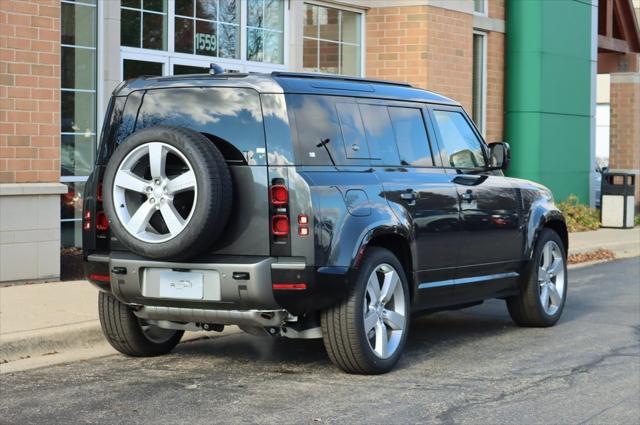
[60,60]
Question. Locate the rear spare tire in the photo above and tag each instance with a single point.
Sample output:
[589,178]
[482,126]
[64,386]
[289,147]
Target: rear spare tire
[167,193]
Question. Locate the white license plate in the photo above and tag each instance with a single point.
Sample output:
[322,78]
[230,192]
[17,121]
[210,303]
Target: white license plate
[181,285]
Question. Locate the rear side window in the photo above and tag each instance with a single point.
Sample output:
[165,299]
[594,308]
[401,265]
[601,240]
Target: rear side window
[463,149]
[380,136]
[411,136]
[355,144]
[231,115]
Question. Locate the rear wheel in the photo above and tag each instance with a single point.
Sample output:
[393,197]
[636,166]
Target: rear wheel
[130,335]
[366,333]
[542,299]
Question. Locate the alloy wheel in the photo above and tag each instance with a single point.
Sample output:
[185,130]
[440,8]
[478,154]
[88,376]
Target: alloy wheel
[551,278]
[384,311]
[154,192]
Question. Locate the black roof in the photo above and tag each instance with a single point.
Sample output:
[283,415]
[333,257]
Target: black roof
[290,82]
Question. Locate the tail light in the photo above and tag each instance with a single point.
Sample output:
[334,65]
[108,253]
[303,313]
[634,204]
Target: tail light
[86,221]
[279,195]
[102,222]
[301,286]
[303,225]
[280,225]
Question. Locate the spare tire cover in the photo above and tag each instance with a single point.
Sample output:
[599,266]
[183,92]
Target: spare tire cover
[167,193]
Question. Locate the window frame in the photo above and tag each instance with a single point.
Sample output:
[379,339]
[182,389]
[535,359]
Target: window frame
[485,8]
[483,83]
[439,139]
[363,32]
[170,56]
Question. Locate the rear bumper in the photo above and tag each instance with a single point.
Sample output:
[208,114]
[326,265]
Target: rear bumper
[245,283]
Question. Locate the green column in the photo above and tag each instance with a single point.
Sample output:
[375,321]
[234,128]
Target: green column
[548,93]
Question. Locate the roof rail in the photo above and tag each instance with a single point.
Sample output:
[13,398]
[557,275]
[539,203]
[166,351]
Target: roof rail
[337,77]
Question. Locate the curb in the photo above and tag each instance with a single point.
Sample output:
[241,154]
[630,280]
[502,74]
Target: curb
[76,337]
[50,341]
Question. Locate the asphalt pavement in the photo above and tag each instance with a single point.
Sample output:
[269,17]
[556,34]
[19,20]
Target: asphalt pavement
[467,366]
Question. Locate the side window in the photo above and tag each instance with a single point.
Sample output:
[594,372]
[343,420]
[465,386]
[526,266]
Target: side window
[461,145]
[319,139]
[380,137]
[411,136]
[355,144]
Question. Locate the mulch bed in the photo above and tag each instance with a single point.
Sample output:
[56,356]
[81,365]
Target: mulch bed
[597,255]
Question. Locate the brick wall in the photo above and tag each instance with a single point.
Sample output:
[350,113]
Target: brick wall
[429,47]
[397,44]
[495,87]
[624,149]
[29,91]
[496,9]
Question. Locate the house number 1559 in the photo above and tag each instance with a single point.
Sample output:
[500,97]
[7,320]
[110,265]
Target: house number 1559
[206,42]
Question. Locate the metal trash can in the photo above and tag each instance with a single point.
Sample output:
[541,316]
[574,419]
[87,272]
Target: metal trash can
[617,200]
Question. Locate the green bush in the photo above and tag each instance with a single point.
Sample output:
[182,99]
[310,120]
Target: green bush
[579,217]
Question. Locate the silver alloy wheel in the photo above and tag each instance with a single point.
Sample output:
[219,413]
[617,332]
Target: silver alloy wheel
[384,311]
[551,277]
[154,333]
[136,198]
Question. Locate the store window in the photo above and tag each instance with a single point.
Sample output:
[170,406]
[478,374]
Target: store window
[143,23]
[208,28]
[265,31]
[479,80]
[78,77]
[332,40]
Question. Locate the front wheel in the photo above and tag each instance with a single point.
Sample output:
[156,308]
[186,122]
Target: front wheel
[543,295]
[366,333]
[130,335]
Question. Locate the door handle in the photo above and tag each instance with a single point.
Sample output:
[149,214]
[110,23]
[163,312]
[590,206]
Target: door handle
[468,196]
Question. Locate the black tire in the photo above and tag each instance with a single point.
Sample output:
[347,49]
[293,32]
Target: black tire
[343,329]
[526,309]
[124,331]
[213,202]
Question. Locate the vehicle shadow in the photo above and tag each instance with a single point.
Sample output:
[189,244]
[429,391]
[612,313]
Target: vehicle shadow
[428,335]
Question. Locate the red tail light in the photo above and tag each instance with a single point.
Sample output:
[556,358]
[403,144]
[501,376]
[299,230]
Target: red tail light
[280,225]
[289,286]
[102,222]
[279,195]
[100,277]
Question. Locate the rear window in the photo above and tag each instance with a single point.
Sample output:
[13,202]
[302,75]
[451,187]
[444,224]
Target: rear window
[232,115]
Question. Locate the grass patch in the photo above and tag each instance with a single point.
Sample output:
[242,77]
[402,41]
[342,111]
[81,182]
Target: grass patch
[579,217]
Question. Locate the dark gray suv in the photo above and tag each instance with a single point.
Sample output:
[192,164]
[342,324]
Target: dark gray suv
[308,206]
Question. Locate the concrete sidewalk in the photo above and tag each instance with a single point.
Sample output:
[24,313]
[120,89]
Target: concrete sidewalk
[39,323]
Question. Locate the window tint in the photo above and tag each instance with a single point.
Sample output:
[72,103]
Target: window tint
[319,140]
[355,144]
[232,115]
[461,145]
[411,137]
[380,137]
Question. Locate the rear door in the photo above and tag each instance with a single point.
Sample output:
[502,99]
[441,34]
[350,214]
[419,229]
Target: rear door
[491,239]
[419,192]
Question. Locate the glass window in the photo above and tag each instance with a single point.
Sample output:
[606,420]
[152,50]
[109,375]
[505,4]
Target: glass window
[332,42]
[265,31]
[480,6]
[135,68]
[76,152]
[353,136]
[460,143]
[379,132]
[478,80]
[188,69]
[143,23]
[208,27]
[411,137]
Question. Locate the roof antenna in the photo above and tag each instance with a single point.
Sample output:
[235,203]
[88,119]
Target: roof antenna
[215,69]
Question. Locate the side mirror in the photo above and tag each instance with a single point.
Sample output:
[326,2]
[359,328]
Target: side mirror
[499,155]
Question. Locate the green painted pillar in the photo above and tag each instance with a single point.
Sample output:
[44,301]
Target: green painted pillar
[548,103]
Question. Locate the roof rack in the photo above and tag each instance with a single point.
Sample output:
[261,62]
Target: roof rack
[337,77]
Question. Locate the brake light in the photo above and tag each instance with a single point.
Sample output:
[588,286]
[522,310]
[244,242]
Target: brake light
[102,222]
[99,277]
[279,194]
[280,225]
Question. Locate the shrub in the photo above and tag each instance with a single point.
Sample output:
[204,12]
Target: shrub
[579,217]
